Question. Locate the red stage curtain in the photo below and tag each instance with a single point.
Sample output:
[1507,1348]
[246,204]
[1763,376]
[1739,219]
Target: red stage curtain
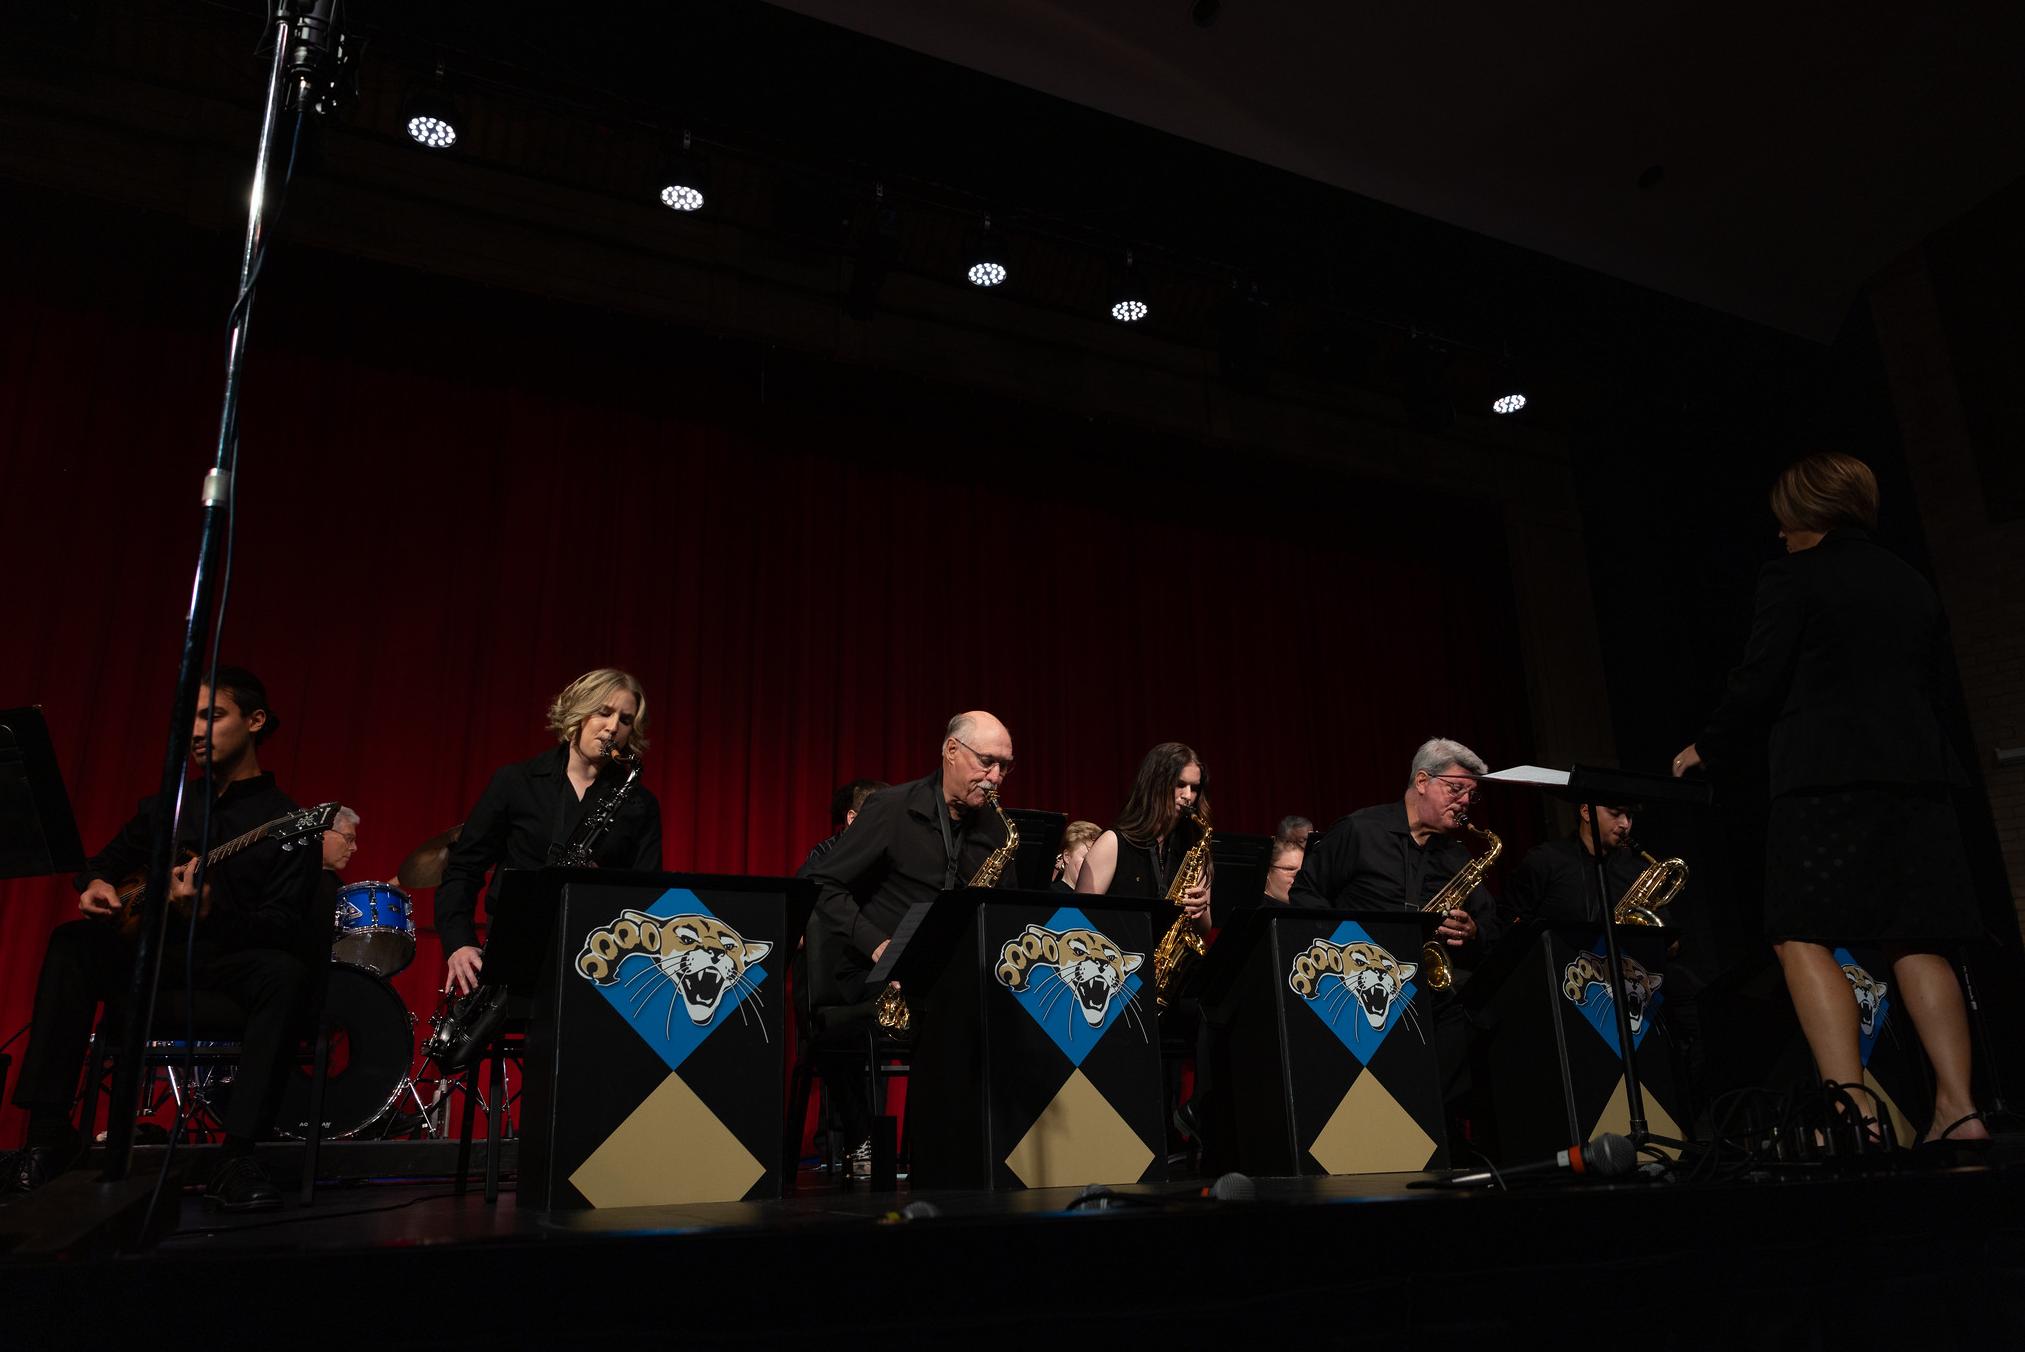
[452,501]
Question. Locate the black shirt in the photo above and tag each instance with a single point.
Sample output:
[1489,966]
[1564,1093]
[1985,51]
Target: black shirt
[1556,882]
[1148,870]
[893,857]
[1847,660]
[262,896]
[1368,861]
[529,807]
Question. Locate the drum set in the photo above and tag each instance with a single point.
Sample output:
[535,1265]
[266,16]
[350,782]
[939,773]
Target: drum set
[370,1089]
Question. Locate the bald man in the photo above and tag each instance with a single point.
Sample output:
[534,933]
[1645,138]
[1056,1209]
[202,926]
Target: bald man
[910,844]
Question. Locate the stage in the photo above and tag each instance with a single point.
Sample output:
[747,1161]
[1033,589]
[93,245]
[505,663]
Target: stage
[1935,1251]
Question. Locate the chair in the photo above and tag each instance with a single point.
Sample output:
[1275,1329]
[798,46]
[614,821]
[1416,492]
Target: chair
[509,1042]
[214,1023]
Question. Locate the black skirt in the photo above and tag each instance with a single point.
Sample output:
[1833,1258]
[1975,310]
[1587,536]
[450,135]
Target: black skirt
[1875,862]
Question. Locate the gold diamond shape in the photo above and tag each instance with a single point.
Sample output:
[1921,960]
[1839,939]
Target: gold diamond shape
[1616,1116]
[1370,1133]
[671,1149]
[1901,1128]
[1079,1138]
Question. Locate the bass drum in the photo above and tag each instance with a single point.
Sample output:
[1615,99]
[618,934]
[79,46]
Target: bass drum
[372,1044]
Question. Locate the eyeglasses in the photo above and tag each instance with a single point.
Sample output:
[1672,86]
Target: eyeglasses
[1003,764]
[1459,787]
[349,837]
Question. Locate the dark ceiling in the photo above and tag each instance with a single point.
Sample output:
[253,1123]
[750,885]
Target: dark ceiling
[1762,159]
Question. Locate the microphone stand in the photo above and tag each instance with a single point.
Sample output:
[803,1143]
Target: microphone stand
[306,37]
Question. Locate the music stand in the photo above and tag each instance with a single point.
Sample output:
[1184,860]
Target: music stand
[1040,841]
[38,831]
[1593,785]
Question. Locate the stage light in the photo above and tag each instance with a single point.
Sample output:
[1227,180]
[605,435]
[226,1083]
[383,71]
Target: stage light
[1128,295]
[1508,403]
[987,258]
[684,182]
[431,117]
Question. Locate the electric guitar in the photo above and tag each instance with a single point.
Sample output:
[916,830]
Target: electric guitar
[288,829]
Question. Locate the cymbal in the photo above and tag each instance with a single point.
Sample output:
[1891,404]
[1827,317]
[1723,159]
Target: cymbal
[425,863]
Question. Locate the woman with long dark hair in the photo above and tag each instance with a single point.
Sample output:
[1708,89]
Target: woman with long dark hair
[1137,857]
[1845,661]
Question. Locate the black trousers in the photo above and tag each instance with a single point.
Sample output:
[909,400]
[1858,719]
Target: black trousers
[88,963]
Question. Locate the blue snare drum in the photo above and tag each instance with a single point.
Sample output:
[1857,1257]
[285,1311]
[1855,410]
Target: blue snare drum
[375,928]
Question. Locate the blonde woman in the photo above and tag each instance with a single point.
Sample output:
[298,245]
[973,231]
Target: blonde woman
[531,807]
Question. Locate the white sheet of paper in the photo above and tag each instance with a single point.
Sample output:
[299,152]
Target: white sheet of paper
[1531,774]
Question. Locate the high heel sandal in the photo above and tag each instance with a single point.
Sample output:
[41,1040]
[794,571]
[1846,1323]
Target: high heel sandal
[1946,1140]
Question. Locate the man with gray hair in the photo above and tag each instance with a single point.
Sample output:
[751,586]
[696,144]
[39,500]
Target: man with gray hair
[1397,855]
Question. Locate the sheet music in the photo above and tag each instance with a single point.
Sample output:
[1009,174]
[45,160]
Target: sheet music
[1531,774]
[895,946]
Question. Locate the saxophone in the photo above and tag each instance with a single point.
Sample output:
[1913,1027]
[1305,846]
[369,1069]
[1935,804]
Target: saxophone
[581,849]
[892,1013]
[1183,943]
[1653,889]
[1435,967]
[464,1024]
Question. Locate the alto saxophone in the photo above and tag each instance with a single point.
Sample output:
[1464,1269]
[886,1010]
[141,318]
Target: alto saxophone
[1653,889]
[1183,943]
[892,1012]
[1435,968]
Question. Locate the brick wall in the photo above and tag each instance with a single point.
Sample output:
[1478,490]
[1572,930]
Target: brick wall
[1979,564]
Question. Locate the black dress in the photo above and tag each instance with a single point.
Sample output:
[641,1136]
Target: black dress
[1846,662]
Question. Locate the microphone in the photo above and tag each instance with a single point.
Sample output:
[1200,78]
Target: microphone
[1232,1187]
[1608,1156]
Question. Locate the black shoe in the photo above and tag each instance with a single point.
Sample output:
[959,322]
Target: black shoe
[26,1169]
[241,1184]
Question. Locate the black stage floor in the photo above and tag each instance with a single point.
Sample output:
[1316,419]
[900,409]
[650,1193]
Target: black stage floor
[1919,1257]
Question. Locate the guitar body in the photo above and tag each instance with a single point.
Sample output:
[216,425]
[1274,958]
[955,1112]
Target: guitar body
[135,886]
[290,830]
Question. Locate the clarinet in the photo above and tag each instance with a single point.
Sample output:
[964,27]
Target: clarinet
[463,1025]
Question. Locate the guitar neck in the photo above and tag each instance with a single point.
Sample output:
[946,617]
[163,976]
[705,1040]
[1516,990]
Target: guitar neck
[218,855]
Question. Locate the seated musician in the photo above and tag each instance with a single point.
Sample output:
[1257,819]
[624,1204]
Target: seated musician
[908,844]
[1296,829]
[532,808]
[1555,884]
[1137,857]
[1283,865]
[845,804]
[1077,838]
[257,939]
[1399,855]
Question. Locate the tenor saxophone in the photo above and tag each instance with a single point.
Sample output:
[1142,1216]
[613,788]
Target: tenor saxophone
[1183,943]
[892,1012]
[1435,967]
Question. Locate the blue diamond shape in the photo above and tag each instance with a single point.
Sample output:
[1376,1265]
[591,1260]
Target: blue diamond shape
[1340,1011]
[1599,1007]
[1866,1041]
[1048,1000]
[647,999]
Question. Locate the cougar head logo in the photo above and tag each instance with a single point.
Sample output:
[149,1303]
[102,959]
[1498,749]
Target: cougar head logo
[1370,975]
[1086,963]
[1870,993]
[699,956]
[1588,974]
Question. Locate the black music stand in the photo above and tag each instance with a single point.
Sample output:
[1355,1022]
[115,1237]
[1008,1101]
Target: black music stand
[1592,785]
[1239,878]
[38,832]
[1040,841]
